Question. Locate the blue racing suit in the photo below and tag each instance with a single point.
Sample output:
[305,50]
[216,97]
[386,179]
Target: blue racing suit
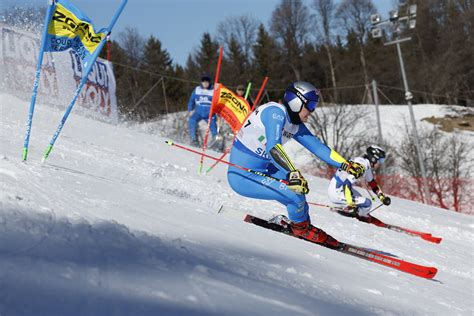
[200,103]
[266,127]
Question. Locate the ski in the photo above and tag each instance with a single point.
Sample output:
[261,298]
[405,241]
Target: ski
[375,221]
[362,253]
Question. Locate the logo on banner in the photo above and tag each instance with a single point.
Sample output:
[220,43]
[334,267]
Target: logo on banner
[97,92]
[232,108]
[70,28]
[18,53]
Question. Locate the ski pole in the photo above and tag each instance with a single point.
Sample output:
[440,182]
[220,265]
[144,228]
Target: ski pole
[324,205]
[370,194]
[317,204]
[171,143]
[376,207]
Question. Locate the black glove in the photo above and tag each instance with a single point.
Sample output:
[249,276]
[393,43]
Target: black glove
[383,198]
[297,183]
[353,168]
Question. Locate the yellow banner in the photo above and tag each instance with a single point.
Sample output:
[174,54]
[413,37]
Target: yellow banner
[236,104]
[65,23]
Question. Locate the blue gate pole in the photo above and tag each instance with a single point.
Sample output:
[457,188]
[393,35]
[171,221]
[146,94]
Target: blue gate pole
[85,75]
[31,111]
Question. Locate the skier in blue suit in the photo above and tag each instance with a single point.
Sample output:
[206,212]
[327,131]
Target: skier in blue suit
[199,106]
[258,146]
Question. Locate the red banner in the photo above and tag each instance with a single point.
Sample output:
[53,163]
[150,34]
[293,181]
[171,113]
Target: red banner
[232,108]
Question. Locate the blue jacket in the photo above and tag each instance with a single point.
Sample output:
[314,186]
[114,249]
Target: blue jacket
[270,125]
[200,98]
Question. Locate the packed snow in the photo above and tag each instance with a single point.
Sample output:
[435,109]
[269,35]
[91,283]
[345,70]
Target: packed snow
[116,222]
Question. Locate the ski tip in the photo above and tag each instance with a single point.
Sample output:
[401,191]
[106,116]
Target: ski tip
[430,238]
[431,273]
[247,218]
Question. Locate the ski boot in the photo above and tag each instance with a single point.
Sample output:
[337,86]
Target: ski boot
[365,219]
[307,231]
[195,143]
[281,220]
[349,211]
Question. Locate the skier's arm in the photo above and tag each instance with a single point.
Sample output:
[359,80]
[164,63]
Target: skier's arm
[378,191]
[314,145]
[273,119]
[374,186]
[191,101]
[370,179]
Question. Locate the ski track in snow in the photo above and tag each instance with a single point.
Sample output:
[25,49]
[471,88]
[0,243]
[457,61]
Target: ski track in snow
[118,223]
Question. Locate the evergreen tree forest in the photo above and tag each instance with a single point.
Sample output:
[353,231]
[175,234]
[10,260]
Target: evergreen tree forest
[325,42]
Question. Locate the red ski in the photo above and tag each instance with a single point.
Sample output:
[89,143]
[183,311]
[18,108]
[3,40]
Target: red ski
[375,221]
[366,254]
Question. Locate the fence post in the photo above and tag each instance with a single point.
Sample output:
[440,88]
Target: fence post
[164,93]
[145,95]
[376,102]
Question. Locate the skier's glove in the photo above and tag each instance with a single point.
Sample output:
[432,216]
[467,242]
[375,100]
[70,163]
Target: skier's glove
[383,198]
[297,183]
[353,168]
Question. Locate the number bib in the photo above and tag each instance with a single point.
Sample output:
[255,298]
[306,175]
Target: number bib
[252,133]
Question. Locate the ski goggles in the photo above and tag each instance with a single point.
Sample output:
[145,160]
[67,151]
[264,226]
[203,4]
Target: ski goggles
[381,160]
[312,101]
[312,104]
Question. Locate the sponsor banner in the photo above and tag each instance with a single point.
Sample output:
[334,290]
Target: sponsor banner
[98,94]
[60,76]
[18,58]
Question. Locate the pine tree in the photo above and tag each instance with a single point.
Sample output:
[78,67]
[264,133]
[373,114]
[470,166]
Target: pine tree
[155,58]
[236,65]
[157,62]
[267,62]
[207,55]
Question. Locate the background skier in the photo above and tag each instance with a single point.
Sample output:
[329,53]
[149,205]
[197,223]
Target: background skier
[342,192]
[199,106]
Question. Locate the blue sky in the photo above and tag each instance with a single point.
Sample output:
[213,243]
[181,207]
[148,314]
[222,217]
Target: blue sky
[178,24]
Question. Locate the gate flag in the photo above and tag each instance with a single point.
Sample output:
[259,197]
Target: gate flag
[66,27]
[70,28]
[232,108]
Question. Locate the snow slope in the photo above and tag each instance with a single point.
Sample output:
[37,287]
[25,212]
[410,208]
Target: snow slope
[118,223]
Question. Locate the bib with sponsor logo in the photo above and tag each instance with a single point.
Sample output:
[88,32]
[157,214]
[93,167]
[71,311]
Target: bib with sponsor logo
[252,133]
[203,97]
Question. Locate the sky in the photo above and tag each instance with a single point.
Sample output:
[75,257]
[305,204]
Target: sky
[178,24]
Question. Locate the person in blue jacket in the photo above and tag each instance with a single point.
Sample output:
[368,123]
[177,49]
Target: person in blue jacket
[258,146]
[199,106]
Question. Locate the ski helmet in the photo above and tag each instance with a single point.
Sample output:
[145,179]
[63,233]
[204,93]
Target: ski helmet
[376,154]
[297,95]
[206,77]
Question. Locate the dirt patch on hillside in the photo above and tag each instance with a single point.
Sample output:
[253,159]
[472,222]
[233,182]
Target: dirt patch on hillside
[462,120]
